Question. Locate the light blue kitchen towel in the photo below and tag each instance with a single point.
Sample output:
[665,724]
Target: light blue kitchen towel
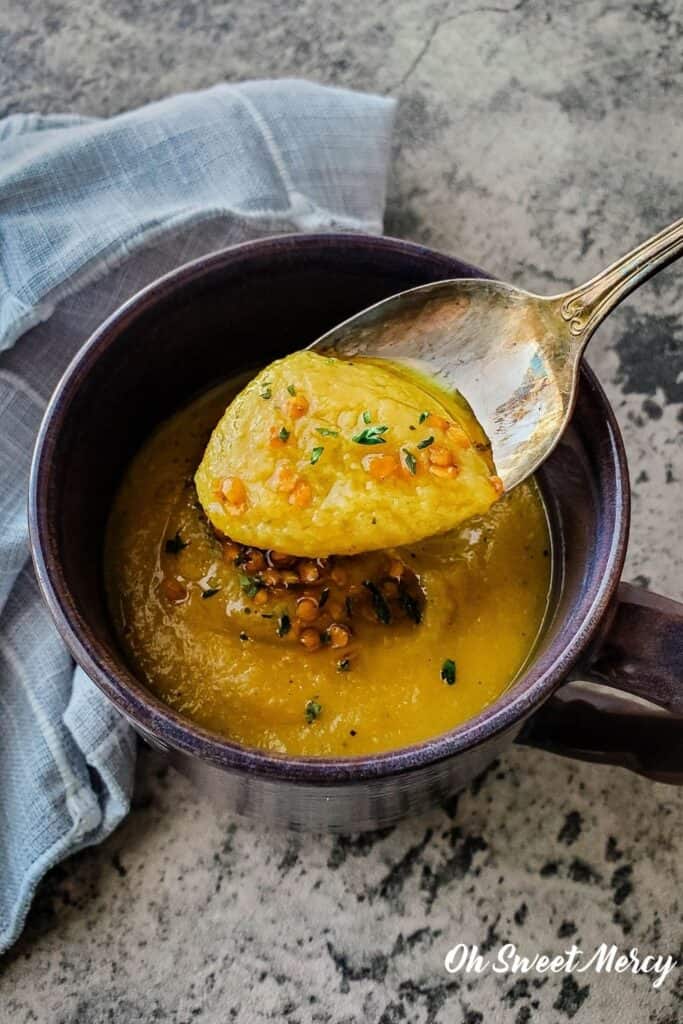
[90,211]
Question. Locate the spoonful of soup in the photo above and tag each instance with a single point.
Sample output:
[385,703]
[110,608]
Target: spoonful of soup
[324,455]
[365,441]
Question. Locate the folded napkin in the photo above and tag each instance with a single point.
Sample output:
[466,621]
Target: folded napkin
[90,211]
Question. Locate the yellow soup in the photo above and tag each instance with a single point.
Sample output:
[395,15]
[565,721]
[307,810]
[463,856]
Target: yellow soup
[340,655]
[320,456]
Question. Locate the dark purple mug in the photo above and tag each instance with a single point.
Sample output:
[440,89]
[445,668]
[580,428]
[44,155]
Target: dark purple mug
[239,309]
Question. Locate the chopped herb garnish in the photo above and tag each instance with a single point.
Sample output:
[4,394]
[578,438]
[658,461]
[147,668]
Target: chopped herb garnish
[367,418]
[326,432]
[313,711]
[324,594]
[379,603]
[284,434]
[343,665]
[448,671]
[426,442]
[244,636]
[411,607]
[423,417]
[291,389]
[174,545]
[284,624]
[325,637]
[315,454]
[371,435]
[411,461]
[250,584]
[266,390]
[210,591]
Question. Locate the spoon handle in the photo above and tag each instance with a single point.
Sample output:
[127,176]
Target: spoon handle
[585,307]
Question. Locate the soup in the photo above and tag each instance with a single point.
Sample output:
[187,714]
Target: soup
[320,455]
[326,656]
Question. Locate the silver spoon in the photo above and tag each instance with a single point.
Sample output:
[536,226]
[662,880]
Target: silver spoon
[513,355]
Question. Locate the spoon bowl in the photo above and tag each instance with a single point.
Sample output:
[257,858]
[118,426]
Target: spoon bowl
[512,355]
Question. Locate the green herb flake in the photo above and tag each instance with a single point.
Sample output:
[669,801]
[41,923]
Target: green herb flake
[371,435]
[174,545]
[425,443]
[291,389]
[315,455]
[313,710]
[367,418]
[411,461]
[266,390]
[284,434]
[423,417]
[250,584]
[326,432]
[448,671]
[379,603]
[210,591]
[284,624]
[343,665]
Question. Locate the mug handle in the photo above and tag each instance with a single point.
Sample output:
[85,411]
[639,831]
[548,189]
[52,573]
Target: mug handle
[639,651]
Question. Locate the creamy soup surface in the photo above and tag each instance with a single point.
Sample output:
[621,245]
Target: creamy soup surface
[320,455]
[335,655]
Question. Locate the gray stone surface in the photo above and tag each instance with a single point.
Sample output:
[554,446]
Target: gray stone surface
[538,140]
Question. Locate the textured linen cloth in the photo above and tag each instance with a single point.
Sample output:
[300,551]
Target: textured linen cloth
[91,211]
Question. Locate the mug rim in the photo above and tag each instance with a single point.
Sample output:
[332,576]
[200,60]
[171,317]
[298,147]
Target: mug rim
[166,728]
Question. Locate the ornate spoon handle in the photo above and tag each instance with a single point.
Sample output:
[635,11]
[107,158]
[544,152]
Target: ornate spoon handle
[585,307]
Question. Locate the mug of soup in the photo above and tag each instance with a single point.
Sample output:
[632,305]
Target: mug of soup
[345,691]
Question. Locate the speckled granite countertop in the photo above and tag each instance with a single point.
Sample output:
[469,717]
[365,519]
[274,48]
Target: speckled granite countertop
[537,140]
